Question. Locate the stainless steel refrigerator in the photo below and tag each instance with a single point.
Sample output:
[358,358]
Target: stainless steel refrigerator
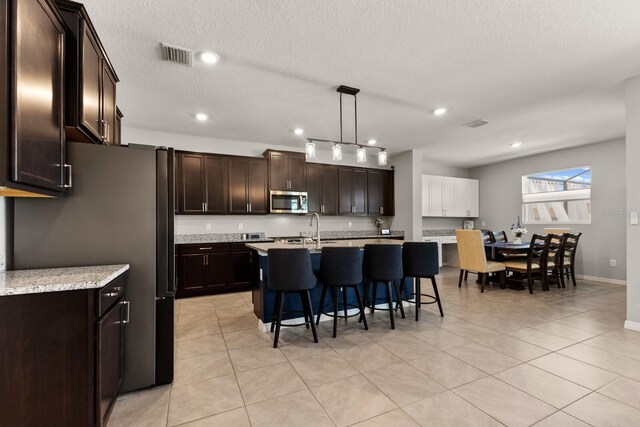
[120,210]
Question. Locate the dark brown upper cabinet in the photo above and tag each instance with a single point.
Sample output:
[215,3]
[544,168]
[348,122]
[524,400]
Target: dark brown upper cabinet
[322,188]
[32,71]
[202,184]
[380,192]
[90,112]
[117,129]
[248,185]
[352,192]
[287,170]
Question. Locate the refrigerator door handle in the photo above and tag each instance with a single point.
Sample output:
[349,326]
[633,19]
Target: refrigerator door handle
[127,307]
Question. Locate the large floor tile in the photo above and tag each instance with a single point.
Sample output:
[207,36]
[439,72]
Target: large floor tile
[483,358]
[203,367]
[407,347]
[245,338]
[573,370]
[561,419]
[190,402]
[447,370]
[623,348]
[403,383]
[234,324]
[624,390]
[504,402]
[602,411]
[601,358]
[268,382]
[323,368]
[564,331]
[293,410]
[396,418]
[513,347]
[144,409]
[367,356]
[199,346]
[195,330]
[542,385]
[448,410]
[542,339]
[439,338]
[624,335]
[197,317]
[256,356]
[235,417]
[352,399]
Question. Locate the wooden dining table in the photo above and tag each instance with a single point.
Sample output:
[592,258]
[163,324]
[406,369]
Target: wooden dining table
[494,250]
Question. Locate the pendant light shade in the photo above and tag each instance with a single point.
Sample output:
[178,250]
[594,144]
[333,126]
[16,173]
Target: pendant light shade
[337,153]
[361,155]
[382,158]
[311,150]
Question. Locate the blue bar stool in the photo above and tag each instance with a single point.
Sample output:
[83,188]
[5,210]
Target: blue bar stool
[289,270]
[383,263]
[341,269]
[420,260]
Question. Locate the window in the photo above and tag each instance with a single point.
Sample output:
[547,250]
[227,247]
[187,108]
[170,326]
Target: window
[557,197]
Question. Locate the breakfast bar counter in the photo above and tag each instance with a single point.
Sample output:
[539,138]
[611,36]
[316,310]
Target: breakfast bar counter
[263,297]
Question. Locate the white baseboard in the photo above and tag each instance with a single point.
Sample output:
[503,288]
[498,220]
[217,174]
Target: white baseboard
[601,279]
[632,326]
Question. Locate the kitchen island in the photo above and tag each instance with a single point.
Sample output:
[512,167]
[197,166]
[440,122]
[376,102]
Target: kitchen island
[263,297]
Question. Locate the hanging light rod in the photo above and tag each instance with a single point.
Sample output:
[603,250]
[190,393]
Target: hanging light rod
[361,153]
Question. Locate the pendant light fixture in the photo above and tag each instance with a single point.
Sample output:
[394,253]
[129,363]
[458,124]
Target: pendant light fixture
[382,158]
[311,150]
[336,150]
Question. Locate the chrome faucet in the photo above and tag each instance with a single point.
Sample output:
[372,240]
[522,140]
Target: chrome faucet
[315,214]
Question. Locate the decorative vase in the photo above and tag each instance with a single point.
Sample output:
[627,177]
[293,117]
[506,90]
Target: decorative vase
[517,240]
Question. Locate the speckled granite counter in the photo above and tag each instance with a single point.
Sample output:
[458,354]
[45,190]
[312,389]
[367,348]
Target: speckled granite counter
[37,281]
[186,239]
[353,234]
[262,248]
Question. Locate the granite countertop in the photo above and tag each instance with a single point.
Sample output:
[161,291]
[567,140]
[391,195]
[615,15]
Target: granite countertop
[186,239]
[438,233]
[38,281]
[262,248]
[352,234]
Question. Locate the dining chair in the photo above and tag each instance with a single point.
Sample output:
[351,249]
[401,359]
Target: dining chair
[487,237]
[499,236]
[556,230]
[552,260]
[474,258]
[568,258]
[536,257]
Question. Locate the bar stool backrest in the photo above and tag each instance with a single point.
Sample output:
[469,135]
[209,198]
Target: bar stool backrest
[341,266]
[382,262]
[420,259]
[290,270]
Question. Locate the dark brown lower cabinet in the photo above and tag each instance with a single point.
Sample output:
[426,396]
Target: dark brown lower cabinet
[61,358]
[209,269]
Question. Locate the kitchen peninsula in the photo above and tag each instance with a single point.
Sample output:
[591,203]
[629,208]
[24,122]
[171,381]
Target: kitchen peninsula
[263,297]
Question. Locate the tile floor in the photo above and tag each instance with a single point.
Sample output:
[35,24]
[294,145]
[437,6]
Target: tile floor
[503,357]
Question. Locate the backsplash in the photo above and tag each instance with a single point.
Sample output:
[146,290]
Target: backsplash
[443,232]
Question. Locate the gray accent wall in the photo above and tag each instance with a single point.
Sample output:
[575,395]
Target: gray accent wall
[602,240]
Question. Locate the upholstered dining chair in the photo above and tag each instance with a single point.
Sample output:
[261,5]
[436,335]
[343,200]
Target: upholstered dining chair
[487,237]
[536,257]
[474,258]
[568,259]
[556,230]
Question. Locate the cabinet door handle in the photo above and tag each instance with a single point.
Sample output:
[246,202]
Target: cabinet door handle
[381,210]
[206,206]
[249,207]
[208,248]
[127,305]
[202,206]
[66,166]
[321,208]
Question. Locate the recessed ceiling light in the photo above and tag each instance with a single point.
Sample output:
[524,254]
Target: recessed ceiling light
[298,131]
[372,142]
[516,144]
[201,117]
[439,111]
[209,57]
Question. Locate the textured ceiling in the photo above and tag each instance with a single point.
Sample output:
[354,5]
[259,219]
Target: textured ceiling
[548,73]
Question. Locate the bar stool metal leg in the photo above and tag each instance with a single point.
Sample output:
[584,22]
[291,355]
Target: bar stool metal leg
[334,294]
[308,308]
[375,297]
[390,303]
[361,306]
[435,290]
[278,319]
[322,298]
[398,299]
[276,309]
[418,295]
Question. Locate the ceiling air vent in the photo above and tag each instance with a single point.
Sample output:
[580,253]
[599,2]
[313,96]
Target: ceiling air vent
[476,123]
[176,54]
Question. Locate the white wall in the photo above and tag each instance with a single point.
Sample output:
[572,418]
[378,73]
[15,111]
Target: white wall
[408,193]
[633,202]
[602,240]
[272,225]
[431,168]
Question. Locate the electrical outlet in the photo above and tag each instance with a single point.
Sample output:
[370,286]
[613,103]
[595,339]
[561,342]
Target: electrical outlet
[240,226]
[350,224]
[484,223]
[612,262]
[208,226]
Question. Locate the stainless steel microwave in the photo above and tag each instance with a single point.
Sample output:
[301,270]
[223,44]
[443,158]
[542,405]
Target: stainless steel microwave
[294,202]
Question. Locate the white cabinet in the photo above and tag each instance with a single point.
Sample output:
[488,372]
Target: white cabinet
[448,196]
